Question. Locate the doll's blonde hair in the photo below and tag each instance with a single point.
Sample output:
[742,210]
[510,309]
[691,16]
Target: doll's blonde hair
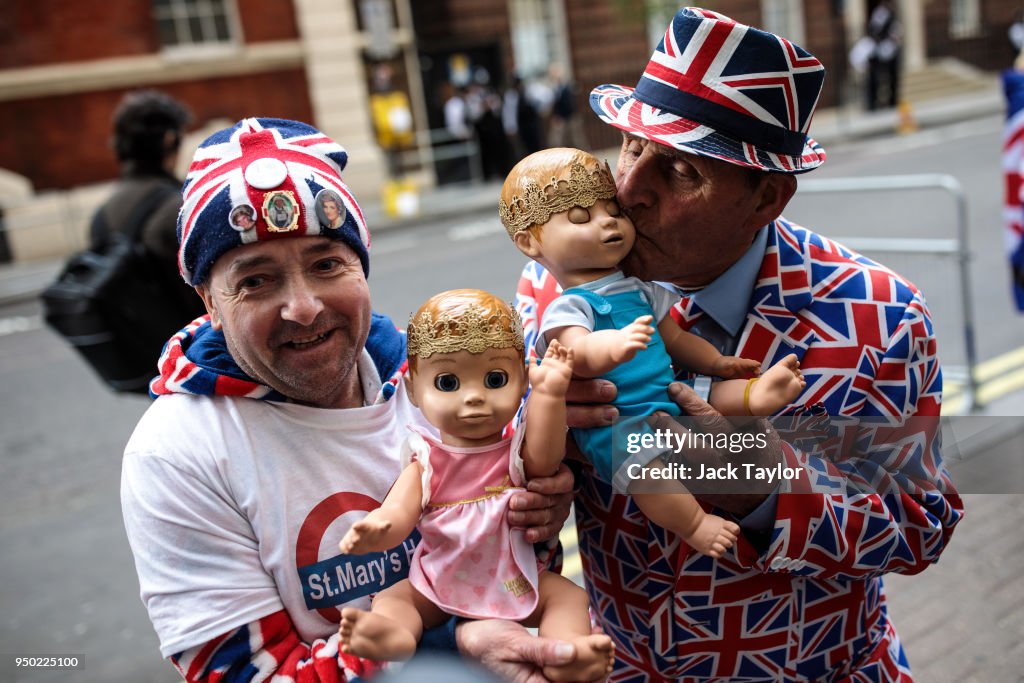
[551,181]
[463,320]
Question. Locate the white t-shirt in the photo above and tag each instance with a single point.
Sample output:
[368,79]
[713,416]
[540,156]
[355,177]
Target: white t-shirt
[234,508]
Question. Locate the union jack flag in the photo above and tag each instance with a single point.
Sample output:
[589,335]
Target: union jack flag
[536,290]
[807,603]
[220,178]
[1013,164]
[270,647]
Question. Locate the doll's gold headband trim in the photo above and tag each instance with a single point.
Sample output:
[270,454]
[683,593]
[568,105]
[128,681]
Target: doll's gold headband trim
[470,329]
[537,204]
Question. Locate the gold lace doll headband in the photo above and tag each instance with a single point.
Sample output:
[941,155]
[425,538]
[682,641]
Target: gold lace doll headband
[470,329]
[537,204]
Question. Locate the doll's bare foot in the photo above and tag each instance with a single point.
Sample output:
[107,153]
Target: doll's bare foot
[595,656]
[714,535]
[364,536]
[373,636]
[777,387]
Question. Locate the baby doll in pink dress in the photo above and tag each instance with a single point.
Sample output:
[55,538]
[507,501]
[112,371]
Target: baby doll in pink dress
[467,374]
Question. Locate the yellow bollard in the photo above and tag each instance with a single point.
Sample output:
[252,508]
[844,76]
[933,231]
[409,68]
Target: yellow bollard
[401,198]
[907,123]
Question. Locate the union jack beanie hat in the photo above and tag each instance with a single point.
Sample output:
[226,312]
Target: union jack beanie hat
[717,88]
[265,179]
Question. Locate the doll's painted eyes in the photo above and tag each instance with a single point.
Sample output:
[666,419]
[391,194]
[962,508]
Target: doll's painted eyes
[446,382]
[579,215]
[613,208]
[496,379]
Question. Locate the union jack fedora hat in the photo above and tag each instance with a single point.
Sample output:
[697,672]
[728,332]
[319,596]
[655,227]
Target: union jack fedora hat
[718,88]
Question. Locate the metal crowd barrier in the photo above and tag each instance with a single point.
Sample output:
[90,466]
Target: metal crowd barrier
[956,248]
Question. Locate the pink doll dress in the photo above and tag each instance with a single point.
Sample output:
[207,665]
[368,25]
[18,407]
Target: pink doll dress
[469,562]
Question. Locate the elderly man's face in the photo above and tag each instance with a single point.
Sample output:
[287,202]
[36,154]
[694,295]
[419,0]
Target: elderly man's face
[694,216]
[295,314]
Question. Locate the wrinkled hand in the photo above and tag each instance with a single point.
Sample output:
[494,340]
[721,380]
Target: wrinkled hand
[510,651]
[554,373]
[632,338]
[363,536]
[543,508]
[589,403]
[734,367]
[739,496]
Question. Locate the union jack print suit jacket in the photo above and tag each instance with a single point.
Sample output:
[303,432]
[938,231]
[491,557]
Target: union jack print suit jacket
[807,603]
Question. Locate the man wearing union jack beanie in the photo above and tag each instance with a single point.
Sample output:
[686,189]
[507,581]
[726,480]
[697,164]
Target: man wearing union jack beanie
[277,424]
[714,134]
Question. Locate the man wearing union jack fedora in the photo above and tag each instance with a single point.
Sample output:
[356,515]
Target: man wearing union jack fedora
[277,424]
[714,134]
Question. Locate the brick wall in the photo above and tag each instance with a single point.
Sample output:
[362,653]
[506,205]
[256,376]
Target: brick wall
[40,32]
[53,31]
[63,141]
[608,44]
[264,20]
[990,49]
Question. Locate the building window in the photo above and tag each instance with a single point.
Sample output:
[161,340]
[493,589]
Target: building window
[964,18]
[784,18]
[538,36]
[186,24]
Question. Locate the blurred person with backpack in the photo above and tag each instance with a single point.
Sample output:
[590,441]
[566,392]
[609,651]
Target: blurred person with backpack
[118,301]
[148,127]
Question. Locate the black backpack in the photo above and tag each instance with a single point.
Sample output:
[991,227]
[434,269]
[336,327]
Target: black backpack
[113,306]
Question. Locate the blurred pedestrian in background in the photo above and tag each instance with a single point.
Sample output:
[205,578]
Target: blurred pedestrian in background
[886,31]
[457,124]
[148,127]
[484,107]
[563,126]
[523,120]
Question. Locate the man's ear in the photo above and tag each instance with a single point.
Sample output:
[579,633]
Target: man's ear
[772,196]
[527,243]
[211,307]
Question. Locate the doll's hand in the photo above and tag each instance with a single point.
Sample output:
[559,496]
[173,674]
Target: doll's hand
[734,367]
[553,374]
[632,338]
[364,536]
[510,651]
